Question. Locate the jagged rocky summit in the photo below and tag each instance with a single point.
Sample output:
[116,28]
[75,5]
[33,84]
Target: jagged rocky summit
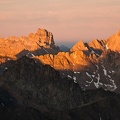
[93,65]
[41,42]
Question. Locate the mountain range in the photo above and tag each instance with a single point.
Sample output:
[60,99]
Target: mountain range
[39,81]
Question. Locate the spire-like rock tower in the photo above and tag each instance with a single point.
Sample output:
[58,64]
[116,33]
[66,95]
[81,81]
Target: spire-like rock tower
[38,43]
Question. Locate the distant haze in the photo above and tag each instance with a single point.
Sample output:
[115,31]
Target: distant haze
[68,20]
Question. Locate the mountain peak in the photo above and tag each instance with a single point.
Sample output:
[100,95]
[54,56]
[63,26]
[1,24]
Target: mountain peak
[41,42]
[43,37]
[79,46]
[113,42]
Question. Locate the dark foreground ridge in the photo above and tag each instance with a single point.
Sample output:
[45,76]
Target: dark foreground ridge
[30,90]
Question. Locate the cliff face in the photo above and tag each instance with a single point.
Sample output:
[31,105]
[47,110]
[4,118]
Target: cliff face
[93,65]
[41,42]
[65,60]
[113,42]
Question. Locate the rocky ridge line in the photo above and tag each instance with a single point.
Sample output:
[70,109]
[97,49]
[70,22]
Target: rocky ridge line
[93,65]
[41,42]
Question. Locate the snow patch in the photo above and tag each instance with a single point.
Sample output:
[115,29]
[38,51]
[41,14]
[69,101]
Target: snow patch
[109,76]
[97,67]
[114,85]
[69,76]
[111,86]
[88,75]
[76,72]
[45,50]
[6,68]
[98,83]
[75,80]
[86,85]
[113,71]
[93,76]
[2,104]
[89,82]
[32,55]
[104,70]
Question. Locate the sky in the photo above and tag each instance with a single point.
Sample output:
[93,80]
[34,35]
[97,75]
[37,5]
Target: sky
[68,20]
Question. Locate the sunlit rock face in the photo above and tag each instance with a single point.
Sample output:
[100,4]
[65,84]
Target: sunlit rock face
[113,42]
[93,65]
[43,38]
[38,43]
[79,46]
[89,71]
[66,60]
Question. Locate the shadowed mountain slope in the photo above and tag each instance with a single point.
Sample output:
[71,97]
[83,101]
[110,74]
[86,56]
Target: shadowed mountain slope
[31,90]
[64,48]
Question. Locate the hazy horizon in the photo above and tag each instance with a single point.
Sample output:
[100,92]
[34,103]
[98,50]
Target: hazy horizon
[69,21]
